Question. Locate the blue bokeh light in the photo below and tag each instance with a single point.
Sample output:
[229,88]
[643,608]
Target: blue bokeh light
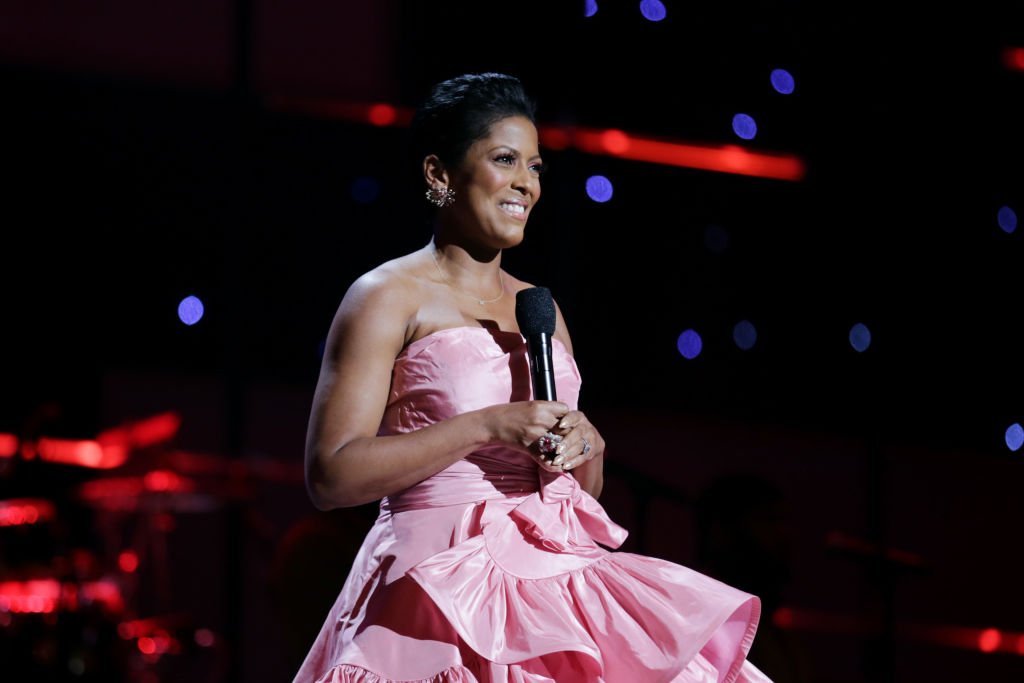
[716,238]
[744,126]
[190,310]
[599,188]
[689,344]
[653,10]
[860,337]
[783,81]
[590,8]
[1007,218]
[744,334]
[365,190]
[1014,437]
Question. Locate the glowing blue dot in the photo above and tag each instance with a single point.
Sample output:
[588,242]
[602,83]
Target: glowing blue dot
[653,10]
[716,238]
[1007,219]
[744,126]
[590,8]
[782,81]
[190,310]
[365,190]
[1014,437]
[860,337]
[599,188]
[744,334]
[689,344]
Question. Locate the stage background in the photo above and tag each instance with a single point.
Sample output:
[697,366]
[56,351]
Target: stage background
[163,150]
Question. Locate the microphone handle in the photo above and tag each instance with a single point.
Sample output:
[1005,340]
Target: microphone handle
[541,367]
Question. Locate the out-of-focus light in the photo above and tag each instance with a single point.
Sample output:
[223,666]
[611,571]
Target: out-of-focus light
[204,637]
[365,189]
[689,344]
[744,126]
[146,645]
[190,310]
[599,188]
[382,115]
[716,238]
[860,337]
[590,8]
[8,445]
[782,81]
[128,561]
[653,10]
[615,142]
[1007,218]
[744,334]
[22,511]
[1014,437]
[989,640]
[1013,58]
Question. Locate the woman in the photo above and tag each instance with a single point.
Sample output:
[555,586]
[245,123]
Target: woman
[489,561]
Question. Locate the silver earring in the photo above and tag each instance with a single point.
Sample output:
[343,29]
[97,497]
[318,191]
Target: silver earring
[441,196]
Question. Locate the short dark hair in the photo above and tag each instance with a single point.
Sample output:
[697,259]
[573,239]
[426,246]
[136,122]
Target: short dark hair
[461,110]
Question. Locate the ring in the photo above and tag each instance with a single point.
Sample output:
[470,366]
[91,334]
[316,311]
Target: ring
[548,443]
[586,446]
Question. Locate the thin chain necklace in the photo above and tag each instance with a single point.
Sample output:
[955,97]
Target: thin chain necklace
[482,302]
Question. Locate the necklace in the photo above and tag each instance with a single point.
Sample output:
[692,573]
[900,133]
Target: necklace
[482,302]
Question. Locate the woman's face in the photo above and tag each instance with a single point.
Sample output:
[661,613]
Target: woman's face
[498,183]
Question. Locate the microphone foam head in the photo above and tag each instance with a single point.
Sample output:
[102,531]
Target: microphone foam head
[535,311]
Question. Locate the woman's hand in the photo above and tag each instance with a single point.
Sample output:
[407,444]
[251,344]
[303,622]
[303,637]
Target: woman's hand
[581,442]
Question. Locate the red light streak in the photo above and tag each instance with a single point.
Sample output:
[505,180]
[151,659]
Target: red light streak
[82,452]
[722,158]
[141,433]
[960,637]
[20,511]
[610,142]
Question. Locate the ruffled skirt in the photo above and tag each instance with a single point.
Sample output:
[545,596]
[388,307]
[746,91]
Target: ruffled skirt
[524,589]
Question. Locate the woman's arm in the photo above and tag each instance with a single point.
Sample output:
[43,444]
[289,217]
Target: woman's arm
[346,462]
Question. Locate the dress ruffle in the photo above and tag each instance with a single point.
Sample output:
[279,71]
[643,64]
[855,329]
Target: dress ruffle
[347,673]
[535,582]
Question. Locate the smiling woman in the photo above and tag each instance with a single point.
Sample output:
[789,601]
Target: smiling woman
[488,561]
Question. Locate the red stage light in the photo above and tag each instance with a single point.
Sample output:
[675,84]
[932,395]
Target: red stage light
[989,640]
[382,115]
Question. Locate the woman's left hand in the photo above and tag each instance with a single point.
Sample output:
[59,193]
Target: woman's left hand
[581,442]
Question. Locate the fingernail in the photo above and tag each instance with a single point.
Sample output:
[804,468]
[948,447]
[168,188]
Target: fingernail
[560,448]
[558,460]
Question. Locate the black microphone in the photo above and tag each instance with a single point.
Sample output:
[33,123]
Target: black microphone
[535,313]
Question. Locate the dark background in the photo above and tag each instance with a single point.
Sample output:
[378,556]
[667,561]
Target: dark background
[149,155]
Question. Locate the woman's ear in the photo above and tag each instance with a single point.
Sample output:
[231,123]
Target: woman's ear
[434,172]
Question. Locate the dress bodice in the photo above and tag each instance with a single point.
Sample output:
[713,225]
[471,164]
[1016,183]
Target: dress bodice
[457,370]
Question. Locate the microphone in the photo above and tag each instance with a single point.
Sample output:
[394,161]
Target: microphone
[535,313]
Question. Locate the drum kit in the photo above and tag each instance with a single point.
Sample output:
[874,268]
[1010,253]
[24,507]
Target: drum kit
[85,586]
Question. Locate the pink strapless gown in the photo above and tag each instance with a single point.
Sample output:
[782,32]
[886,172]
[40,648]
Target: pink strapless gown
[495,570]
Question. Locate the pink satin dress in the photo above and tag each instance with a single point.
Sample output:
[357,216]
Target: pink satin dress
[496,570]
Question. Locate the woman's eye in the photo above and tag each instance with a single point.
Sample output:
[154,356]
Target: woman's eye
[506,159]
[538,168]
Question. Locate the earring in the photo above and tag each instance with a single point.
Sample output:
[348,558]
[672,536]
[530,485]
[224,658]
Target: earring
[441,196]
